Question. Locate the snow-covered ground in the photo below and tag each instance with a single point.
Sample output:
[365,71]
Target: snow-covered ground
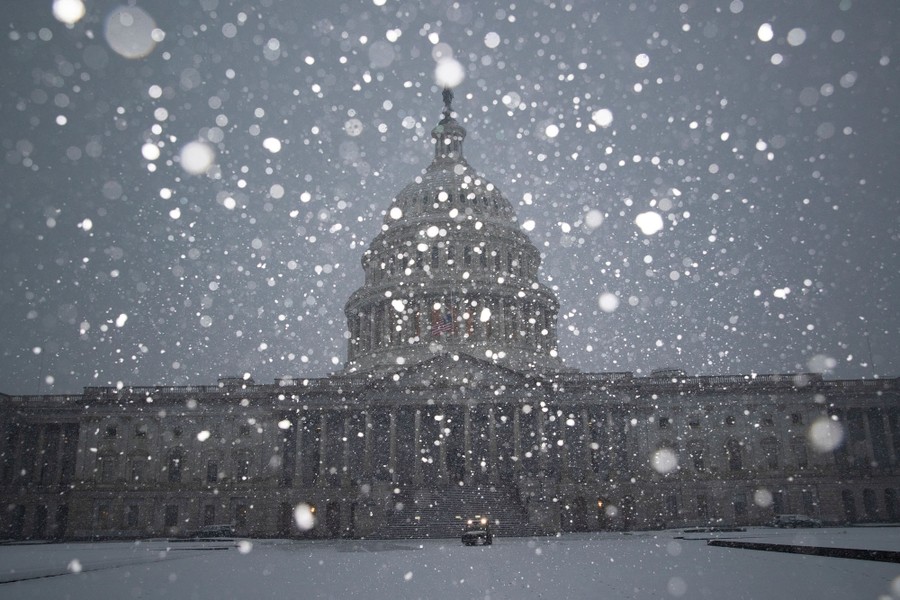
[668,564]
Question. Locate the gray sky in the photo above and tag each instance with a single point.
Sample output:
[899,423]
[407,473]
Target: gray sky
[772,163]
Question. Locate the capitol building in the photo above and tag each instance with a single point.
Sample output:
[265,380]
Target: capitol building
[452,402]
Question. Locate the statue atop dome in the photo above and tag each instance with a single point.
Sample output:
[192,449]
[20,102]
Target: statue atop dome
[448,100]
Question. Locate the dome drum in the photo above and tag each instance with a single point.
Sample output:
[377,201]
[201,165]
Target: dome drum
[451,272]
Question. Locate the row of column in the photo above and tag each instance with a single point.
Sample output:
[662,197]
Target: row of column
[382,326]
[342,456]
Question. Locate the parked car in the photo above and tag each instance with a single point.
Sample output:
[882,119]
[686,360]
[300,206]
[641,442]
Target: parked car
[478,531]
[796,521]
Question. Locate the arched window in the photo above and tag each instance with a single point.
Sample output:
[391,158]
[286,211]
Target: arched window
[695,449]
[870,503]
[849,505]
[770,453]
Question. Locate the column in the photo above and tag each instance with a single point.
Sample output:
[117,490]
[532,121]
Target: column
[492,444]
[890,441]
[467,445]
[539,423]
[442,452]
[366,474]
[323,448]
[345,462]
[517,438]
[392,461]
[586,440]
[417,449]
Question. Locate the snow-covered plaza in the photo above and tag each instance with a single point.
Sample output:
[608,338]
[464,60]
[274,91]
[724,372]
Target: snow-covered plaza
[667,564]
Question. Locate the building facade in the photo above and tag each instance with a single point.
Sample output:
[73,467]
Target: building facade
[453,402]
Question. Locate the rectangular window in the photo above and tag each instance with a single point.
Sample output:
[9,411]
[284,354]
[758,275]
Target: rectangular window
[809,502]
[209,514]
[240,515]
[39,530]
[174,468]
[111,431]
[212,471]
[664,422]
[108,467]
[132,514]
[171,515]
[672,506]
[242,468]
[702,507]
[103,516]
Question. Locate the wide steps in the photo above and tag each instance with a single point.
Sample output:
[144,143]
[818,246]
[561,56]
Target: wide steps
[443,513]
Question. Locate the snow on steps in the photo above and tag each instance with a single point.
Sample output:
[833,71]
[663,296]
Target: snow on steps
[443,513]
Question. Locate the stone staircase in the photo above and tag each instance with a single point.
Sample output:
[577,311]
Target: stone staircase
[443,513]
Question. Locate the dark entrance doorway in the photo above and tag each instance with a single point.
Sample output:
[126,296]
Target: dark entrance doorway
[333,519]
[574,515]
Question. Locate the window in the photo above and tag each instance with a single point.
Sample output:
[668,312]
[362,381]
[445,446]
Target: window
[849,505]
[171,515]
[242,465]
[809,502]
[103,516]
[702,507]
[695,449]
[209,514]
[140,431]
[870,503]
[767,421]
[132,515]
[664,422]
[137,469]
[212,471]
[245,430]
[173,466]
[39,530]
[798,445]
[796,419]
[108,467]
[240,515]
[672,506]
[111,431]
[733,452]
[729,421]
[770,453]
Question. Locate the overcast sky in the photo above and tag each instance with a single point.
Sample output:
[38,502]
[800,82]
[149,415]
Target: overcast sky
[763,133]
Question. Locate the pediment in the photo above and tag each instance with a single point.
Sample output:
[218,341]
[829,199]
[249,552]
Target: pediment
[449,371]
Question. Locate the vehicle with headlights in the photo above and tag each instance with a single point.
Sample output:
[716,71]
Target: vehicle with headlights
[478,531]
